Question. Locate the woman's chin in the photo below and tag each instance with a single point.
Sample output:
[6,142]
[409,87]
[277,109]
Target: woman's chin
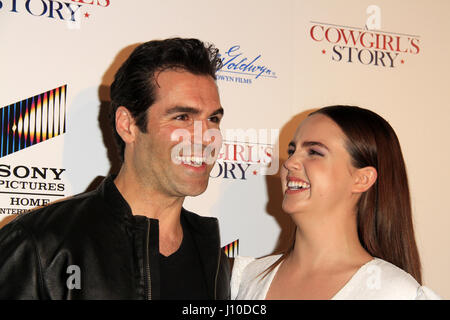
[292,207]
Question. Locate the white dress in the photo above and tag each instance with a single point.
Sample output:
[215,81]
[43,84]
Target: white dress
[376,280]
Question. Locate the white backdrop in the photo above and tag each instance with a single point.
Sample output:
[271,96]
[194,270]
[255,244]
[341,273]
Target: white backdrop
[403,76]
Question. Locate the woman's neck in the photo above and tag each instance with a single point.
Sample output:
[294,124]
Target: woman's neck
[327,242]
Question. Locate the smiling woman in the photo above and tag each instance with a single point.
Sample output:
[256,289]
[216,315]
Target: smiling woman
[346,189]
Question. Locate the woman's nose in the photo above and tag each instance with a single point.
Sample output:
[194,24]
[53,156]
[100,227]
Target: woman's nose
[293,163]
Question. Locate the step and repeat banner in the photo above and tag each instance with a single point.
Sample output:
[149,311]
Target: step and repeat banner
[281,60]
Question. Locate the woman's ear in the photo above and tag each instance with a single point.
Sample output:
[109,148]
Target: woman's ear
[364,179]
[124,124]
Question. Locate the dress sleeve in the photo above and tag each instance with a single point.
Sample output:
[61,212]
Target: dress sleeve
[240,263]
[424,293]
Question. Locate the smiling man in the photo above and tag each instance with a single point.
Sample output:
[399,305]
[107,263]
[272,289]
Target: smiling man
[131,238]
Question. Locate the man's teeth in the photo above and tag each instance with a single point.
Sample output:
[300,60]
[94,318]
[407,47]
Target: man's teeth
[298,185]
[192,161]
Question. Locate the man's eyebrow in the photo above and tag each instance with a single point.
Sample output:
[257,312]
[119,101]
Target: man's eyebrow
[314,143]
[178,109]
[191,110]
[218,111]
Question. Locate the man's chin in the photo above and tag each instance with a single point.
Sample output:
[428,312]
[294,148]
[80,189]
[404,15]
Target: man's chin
[196,192]
[193,189]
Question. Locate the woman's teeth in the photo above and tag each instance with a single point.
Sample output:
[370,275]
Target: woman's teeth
[295,185]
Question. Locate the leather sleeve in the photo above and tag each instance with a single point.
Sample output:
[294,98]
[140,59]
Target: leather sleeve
[20,271]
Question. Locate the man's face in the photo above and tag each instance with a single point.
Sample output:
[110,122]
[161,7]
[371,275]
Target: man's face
[182,98]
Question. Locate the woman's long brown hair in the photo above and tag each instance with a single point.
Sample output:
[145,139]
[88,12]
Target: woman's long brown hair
[384,219]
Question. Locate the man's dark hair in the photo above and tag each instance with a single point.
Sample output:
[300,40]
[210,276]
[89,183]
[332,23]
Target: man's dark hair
[134,85]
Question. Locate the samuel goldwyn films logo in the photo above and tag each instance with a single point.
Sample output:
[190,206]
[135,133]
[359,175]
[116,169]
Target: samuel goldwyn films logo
[70,11]
[368,45]
[25,124]
[238,67]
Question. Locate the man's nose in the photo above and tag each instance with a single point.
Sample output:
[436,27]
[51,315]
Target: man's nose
[202,132]
[198,131]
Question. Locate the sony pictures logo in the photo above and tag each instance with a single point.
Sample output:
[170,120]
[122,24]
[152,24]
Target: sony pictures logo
[241,68]
[25,124]
[70,11]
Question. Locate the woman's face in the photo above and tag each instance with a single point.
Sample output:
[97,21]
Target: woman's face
[318,175]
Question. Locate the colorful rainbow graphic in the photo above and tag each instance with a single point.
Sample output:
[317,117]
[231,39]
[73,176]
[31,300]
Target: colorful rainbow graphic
[232,249]
[33,120]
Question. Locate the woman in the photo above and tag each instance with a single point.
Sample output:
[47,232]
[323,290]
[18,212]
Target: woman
[346,189]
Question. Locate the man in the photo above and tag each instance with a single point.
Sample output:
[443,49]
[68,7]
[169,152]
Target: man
[131,238]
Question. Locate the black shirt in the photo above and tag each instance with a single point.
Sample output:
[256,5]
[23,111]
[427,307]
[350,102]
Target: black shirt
[181,273]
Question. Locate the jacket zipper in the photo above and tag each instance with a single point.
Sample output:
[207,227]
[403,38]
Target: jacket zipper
[149,279]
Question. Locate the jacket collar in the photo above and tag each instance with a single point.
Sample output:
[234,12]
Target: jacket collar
[205,230]
[204,226]
[112,196]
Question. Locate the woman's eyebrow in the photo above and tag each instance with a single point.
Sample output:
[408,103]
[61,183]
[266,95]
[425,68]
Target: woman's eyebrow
[314,143]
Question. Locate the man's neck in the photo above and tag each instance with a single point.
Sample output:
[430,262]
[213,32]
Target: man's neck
[155,205]
[148,201]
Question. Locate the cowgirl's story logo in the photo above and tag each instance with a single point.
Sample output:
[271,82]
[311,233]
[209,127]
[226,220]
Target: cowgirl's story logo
[71,11]
[368,45]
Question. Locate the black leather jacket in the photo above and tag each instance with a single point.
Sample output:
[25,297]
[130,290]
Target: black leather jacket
[112,249]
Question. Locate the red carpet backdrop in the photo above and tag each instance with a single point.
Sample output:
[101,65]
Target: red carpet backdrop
[281,60]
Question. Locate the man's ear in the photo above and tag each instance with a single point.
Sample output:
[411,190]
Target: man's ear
[364,179]
[125,124]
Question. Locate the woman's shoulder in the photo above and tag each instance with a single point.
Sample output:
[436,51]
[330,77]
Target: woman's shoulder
[251,264]
[402,284]
[380,279]
[247,269]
